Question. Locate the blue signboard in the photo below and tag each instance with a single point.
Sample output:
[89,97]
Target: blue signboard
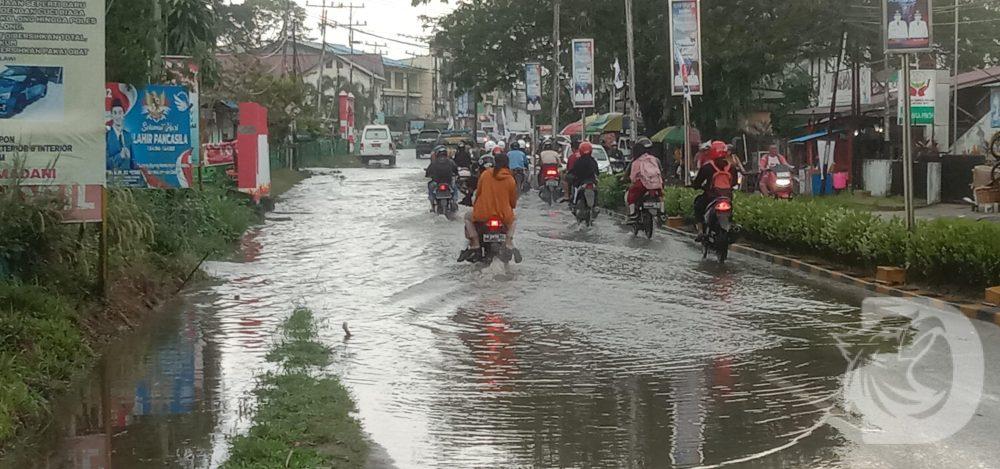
[148,136]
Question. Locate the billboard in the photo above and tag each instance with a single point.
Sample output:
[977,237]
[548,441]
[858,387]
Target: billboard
[51,74]
[685,48]
[148,136]
[533,86]
[845,87]
[183,71]
[907,25]
[463,106]
[583,73]
[922,97]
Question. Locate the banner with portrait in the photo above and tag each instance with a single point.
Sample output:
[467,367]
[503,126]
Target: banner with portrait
[583,73]
[533,86]
[51,74]
[148,137]
[907,25]
[685,48]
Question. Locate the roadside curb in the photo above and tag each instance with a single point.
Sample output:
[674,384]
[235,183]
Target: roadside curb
[977,311]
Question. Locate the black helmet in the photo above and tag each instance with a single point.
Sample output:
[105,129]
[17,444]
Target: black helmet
[547,144]
[440,150]
[644,145]
[461,144]
[515,145]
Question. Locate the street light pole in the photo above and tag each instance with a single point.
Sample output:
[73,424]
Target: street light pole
[633,114]
[904,90]
[954,85]
[555,68]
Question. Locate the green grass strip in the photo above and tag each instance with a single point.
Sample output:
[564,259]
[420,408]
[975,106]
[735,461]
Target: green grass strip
[303,417]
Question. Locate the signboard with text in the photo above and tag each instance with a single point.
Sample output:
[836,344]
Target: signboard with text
[533,86]
[685,48]
[583,73]
[922,96]
[148,136]
[51,74]
[907,25]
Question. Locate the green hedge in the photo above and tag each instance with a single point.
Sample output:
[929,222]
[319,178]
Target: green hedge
[952,251]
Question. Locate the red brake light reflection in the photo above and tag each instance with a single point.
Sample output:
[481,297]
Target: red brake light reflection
[724,206]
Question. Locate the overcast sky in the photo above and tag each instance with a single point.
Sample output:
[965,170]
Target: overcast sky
[387,18]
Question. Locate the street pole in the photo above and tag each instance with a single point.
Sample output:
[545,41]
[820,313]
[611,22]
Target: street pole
[904,90]
[954,87]
[633,130]
[687,140]
[555,69]
[322,64]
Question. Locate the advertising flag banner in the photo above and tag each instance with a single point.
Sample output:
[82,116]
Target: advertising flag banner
[922,97]
[685,48]
[583,73]
[148,136]
[907,25]
[995,108]
[463,106]
[51,74]
[533,86]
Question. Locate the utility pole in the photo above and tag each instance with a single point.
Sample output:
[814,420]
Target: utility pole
[904,91]
[633,131]
[322,64]
[295,43]
[556,68]
[350,28]
[954,88]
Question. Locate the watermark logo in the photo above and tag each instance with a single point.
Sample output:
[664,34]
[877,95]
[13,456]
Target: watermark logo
[924,381]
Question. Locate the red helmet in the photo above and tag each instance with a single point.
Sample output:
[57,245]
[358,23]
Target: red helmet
[497,151]
[586,148]
[719,149]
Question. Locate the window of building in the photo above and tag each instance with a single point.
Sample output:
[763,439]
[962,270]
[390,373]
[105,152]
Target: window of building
[399,77]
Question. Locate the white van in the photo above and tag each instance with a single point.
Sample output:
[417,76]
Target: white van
[377,144]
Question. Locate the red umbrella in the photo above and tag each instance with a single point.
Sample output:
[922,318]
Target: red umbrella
[575,128]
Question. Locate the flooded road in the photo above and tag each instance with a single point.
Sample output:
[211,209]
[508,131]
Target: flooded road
[600,350]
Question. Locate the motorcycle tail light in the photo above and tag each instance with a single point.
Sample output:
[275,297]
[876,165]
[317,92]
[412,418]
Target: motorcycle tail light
[443,187]
[494,224]
[783,182]
[551,172]
[590,186]
[724,206]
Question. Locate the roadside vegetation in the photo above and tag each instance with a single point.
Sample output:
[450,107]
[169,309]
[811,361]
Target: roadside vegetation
[944,251]
[303,417]
[52,316]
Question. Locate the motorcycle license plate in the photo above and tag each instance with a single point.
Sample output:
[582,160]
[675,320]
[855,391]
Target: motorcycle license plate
[443,195]
[495,238]
[552,183]
[651,205]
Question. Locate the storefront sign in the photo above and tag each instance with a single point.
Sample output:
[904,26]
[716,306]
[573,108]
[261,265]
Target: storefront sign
[583,73]
[533,86]
[844,87]
[685,48]
[217,154]
[51,74]
[148,136]
[907,25]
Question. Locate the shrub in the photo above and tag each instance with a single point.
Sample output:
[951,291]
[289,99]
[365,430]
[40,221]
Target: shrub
[611,191]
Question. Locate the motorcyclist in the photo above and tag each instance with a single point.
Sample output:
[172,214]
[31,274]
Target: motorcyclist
[767,164]
[496,196]
[646,175]
[463,159]
[548,158]
[584,170]
[716,179]
[518,161]
[574,155]
[442,170]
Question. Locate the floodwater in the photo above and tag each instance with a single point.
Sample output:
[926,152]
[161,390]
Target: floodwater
[600,350]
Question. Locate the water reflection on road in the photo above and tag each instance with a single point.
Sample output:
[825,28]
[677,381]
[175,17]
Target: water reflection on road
[599,351]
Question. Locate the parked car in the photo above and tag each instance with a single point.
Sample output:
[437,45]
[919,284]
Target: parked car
[603,162]
[481,138]
[19,87]
[377,144]
[426,141]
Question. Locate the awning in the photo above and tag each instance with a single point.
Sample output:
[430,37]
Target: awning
[675,136]
[597,124]
[806,138]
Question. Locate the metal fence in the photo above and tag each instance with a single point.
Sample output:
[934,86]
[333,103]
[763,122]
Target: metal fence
[312,153]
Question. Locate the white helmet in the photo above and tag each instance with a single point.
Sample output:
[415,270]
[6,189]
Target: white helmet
[502,144]
[489,146]
[521,144]
[705,146]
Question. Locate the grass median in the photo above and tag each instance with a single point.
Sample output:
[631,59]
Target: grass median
[303,417]
[946,251]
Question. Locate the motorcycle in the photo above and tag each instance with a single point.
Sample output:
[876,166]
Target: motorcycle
[719,227]
[551,189]
[586,203]
[781,182]
[493,242]
[521,178]
[651,213]
[464,182]
[444,201]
